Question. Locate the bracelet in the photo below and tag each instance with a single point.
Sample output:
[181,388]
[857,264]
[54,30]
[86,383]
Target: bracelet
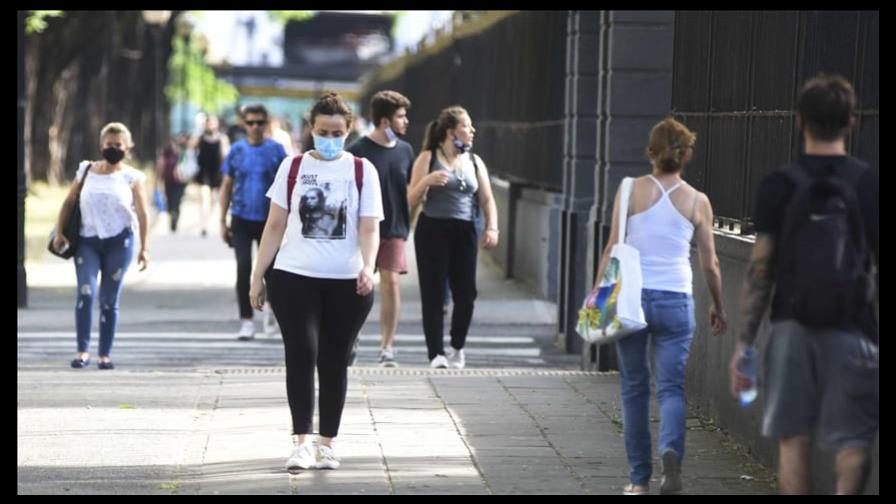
[493,229]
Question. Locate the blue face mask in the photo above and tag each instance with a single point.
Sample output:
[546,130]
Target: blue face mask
[391,135]
[328,148]
[460,146]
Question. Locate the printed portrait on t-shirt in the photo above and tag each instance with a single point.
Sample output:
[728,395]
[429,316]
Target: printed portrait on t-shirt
[322,208]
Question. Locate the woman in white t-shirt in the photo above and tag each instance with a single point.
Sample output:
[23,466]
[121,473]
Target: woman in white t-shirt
[320,283]
[112,203]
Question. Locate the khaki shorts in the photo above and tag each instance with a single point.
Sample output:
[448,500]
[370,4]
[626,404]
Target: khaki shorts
[821,379]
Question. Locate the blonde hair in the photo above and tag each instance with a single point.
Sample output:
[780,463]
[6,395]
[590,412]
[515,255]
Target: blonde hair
[114,128]
[669,143]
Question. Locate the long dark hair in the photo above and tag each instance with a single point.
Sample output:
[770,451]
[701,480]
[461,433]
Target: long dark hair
[437,130]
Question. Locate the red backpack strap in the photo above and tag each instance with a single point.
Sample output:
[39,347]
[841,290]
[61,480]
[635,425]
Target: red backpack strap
[291,181]
[359,177]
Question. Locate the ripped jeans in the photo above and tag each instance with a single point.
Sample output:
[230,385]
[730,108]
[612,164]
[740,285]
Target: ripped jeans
[112,256]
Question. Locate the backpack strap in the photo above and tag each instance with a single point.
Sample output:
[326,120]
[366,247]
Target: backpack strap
[291,181]
[359,177]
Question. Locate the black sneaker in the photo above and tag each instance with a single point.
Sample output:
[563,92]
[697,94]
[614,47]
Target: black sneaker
[671,484]
[105,365]
[78,363]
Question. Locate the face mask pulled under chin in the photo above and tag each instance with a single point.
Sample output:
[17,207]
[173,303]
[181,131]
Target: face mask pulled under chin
[460,146]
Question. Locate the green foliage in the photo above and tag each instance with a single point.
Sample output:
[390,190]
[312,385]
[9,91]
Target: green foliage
[282,16]
[191,79]
[36,21]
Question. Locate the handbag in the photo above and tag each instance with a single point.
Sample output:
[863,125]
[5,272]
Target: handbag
[71,228]
[613,310]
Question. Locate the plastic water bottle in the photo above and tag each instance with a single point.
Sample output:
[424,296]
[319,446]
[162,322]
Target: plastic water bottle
[748,366]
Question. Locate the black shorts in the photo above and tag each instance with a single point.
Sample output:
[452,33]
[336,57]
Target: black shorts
[209,175]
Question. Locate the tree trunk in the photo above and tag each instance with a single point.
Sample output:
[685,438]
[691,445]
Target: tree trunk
[84,70]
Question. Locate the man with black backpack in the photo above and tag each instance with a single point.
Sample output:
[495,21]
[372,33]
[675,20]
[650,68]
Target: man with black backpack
[817,246]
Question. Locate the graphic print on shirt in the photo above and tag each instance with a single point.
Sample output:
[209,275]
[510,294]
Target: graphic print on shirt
[323,207]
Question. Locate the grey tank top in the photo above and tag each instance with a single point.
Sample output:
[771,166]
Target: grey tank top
[454,200]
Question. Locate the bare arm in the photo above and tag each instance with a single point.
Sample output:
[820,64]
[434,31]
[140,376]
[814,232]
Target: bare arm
[271,238]
[709,262]
[226,191]
[369,240]
[614,236]
[757,287]
[140,206]
[756,293]
[487,203]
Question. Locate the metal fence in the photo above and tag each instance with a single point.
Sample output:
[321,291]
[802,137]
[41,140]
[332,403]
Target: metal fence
[510,77]
[736,78]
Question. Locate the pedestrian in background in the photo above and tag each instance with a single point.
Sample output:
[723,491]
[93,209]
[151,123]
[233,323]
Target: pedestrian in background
[451,182]
[393,159]
[663,216]
[212,146]
[817,244]
[249,171]
[113,203]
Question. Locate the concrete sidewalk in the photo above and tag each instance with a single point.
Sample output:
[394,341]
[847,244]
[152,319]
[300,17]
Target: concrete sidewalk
[404,431]
[189,410]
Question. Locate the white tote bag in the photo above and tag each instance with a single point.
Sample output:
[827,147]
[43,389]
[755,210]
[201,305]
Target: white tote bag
[187,166]
[614,309]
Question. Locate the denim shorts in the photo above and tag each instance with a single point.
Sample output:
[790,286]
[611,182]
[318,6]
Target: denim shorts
[821,379]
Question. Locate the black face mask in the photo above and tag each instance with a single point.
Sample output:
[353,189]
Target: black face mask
[113,155]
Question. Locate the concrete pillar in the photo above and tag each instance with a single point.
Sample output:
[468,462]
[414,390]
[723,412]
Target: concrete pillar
[635,89]
[579,164]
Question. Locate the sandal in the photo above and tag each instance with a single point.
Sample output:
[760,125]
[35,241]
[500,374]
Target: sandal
[633,489]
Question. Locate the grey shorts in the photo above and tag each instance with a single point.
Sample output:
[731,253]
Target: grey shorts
[821,379]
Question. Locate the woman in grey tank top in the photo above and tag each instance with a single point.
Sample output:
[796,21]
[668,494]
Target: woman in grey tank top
[451,182]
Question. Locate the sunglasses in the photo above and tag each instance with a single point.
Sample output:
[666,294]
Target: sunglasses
[255,123]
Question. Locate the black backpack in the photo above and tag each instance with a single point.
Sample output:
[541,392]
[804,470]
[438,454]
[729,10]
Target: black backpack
[823,262]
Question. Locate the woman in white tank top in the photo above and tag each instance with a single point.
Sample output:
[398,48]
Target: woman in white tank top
[664,215]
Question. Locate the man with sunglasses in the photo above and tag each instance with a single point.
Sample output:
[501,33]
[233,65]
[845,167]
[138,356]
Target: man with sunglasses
[248,171]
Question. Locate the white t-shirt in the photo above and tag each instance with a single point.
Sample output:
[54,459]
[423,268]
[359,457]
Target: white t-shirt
[322,227]
[107,201]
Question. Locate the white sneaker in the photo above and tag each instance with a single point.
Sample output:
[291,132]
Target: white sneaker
[326,458]
[456,358]
[302,458]
[387,358]
[439,362]
[247,330]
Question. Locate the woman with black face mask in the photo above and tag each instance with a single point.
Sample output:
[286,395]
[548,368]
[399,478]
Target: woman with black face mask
[113,204]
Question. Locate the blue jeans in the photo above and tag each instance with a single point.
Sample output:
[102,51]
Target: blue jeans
[112,256]
[670,326]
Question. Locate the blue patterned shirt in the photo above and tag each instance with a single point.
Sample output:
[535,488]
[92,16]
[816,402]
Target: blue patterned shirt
[253,168]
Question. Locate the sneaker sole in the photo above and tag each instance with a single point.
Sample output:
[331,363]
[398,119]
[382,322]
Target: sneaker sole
[298,468]
[328,466]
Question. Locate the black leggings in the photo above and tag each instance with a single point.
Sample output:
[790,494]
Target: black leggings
[243,233]
[446,248]
[320,319]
